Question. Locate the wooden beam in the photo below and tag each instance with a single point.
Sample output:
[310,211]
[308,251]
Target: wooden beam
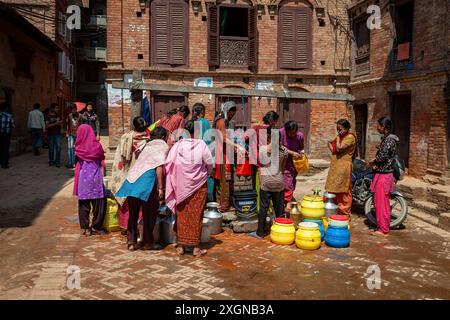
[234,91]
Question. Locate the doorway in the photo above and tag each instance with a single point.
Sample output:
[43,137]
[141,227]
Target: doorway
[242,119]
[401,123]
[361,114]
[164,103]
[298,110]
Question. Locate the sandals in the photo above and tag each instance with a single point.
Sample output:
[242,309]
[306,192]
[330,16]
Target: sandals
[180,251]
[199,252]
[97,232]
[153,246]
[132,247]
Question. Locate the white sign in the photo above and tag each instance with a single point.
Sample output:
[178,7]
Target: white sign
[114,96]
[264,85]
[205,82]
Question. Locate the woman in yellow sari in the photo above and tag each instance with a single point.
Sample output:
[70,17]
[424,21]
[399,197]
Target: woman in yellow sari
[339,180]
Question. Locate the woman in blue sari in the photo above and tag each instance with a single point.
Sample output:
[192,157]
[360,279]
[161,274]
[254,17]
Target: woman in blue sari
[144,189]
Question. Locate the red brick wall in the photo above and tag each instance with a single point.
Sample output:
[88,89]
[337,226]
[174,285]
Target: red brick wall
[26,91]
[425,84]
[129,35]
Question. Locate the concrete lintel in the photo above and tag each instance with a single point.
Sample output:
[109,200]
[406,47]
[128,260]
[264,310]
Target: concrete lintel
[234,91]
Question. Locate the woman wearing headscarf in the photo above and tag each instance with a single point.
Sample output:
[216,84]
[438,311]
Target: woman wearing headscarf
[294,141]
[88,185]
[187,168]
[131,143]
[343,152]
[144,189]
[223,167]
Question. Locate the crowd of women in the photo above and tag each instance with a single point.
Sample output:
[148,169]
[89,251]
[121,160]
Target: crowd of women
[155,167]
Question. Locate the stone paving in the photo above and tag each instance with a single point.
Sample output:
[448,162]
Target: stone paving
[37,251]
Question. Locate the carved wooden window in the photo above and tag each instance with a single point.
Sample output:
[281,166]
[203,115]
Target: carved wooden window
[232,36]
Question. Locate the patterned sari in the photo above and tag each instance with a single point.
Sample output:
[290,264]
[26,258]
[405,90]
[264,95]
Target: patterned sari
[124,160]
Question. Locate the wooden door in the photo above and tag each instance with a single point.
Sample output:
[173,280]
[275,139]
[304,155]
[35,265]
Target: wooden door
[298,110]
[361,128]
[243,115]
[401,122]
[163,104]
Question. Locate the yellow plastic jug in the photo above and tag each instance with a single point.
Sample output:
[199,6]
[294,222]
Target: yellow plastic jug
[308,236]
[282,231]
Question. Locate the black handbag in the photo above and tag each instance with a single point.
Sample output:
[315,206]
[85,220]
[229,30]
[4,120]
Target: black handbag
[399,168]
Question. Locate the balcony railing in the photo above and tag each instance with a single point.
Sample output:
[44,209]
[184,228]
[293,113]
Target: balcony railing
[97,22]
[93,54]
[233,51]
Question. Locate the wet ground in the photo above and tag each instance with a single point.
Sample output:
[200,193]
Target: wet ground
[40,240]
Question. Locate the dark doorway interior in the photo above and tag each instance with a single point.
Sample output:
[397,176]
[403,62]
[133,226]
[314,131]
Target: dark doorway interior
[243,115]
[401,121]
[361,128]
[163,104]
[298,110]
[233,22]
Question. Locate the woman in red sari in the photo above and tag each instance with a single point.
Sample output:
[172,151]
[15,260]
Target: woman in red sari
[173,120]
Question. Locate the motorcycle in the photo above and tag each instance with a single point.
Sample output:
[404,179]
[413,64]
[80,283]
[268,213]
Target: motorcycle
[362,176]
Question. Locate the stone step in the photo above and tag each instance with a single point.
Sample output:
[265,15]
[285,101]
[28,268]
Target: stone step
[440,195]
[426,217]
[413,189]
[444,221]
[428,207]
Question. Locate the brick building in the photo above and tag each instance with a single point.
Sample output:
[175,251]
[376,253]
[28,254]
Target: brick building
[288,46]
[27,70]
[90,44]
[402,70]
[50,17]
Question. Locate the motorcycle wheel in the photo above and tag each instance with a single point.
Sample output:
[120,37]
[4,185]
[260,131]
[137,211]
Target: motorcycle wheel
[399,211]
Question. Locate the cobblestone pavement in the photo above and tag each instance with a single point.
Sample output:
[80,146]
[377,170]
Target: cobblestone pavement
[40,240]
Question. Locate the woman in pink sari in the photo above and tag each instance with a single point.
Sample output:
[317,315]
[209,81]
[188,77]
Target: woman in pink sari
[88,185]
[187,167]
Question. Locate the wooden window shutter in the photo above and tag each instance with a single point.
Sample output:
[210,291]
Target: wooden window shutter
[213,35]
[178,30]
[286,39]
[252,38]
[160,32]
[303,37]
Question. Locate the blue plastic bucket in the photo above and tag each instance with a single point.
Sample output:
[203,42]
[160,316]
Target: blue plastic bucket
[337,237]
[245,204]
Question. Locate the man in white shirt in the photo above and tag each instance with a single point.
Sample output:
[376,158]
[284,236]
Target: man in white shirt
[36,124]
